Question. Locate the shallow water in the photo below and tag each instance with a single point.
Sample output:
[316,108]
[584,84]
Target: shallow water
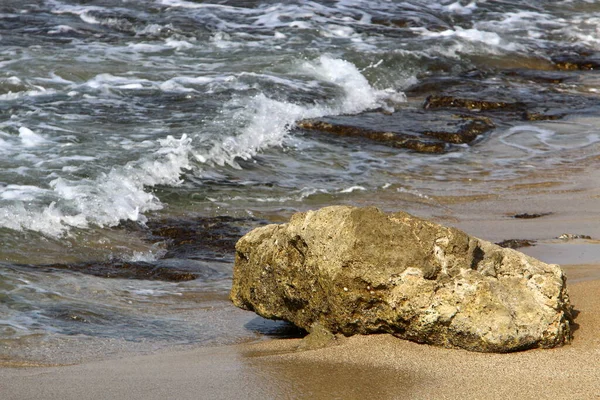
[118,119]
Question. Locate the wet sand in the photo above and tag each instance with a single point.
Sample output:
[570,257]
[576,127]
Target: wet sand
[379,366]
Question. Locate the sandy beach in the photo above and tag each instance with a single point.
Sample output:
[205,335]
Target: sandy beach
[378,366]
[139,140]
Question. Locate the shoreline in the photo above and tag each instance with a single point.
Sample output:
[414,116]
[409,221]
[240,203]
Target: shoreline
[142,139]
[379,366]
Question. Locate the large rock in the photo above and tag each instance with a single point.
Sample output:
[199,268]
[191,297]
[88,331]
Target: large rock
[359,271]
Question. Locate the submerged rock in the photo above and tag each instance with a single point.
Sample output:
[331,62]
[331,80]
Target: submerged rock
[392,139]
[505,96]
[200,238]
[577,62]
[359,271]
[470,104]
[536,116]
[531,216]
[410,128]
[571,236]
[516,243]
[125,270]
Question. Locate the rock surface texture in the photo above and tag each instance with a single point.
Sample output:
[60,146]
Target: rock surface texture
[359,271]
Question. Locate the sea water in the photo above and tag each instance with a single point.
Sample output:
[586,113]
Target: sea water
[119,114]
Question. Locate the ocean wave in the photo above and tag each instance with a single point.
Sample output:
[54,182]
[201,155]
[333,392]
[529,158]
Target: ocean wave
[267,121]
[124,193]
[106,200]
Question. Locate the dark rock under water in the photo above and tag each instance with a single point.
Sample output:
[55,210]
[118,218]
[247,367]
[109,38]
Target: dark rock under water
[516,243]
[410,128]
[445,110]
[201,238]
[196,248]
[125,270]
[531,215]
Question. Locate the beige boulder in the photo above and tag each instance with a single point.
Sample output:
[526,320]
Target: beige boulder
[360,271]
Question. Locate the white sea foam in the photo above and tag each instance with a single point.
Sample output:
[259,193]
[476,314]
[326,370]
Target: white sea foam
[193,5]
[358,95]
[61,8]
[471,40]
[146,47]
[179,44]
[329,21]
[458,8]
[105,81]
[152,292]
[85,13]
[468,34]
[21,192]
[124,192]
[413,192]
[173,86]
[13,80]
[62,29]
[65,159]
[332,30]
[300,25]
[511,25]
[55,79]
[146,256]
[476,35]
[38,91]
[583,30]
[511,138]
[106,200]
[89,19]
[153,30]
[353,189]
[296,197]
[29,138]
[268,120]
